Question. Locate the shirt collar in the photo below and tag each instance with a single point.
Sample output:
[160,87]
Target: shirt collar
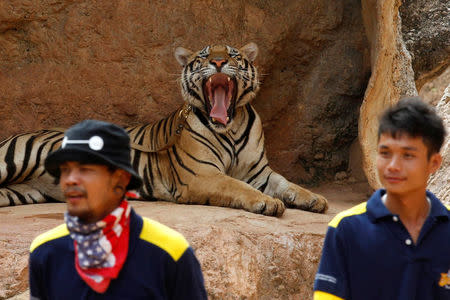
[438,210]
[377,210]
[375,207]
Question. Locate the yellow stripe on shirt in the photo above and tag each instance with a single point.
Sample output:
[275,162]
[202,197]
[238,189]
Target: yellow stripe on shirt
[356,210]
[52,234]
[164,237]
[319,295]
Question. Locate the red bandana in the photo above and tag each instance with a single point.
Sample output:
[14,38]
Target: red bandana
[111,240]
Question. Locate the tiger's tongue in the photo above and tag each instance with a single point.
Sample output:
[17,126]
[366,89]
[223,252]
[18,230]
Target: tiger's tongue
[219,110]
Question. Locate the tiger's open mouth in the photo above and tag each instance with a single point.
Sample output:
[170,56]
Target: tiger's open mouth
[220,92]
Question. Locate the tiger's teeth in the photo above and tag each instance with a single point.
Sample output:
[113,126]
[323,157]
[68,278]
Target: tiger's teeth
[228,119]
[228,79]
[213,119]
[210,80]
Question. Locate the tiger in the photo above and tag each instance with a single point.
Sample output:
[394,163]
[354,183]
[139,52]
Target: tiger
[210,151]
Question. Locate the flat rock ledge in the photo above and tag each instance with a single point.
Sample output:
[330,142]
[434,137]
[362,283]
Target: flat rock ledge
[243,255]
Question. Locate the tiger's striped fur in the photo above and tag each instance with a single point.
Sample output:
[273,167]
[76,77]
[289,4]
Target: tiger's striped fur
[210,151]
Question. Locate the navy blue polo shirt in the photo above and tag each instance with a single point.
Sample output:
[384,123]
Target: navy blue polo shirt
[160,265]
[369,254]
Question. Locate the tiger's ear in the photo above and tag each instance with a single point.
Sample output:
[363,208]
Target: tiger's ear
[182,55]
[250,50]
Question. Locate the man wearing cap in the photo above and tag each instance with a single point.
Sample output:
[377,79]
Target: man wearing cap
[105,250]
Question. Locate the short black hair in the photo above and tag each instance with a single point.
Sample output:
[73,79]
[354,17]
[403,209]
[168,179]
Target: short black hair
[415,118]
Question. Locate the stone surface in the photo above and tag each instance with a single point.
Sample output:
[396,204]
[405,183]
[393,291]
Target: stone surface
[392,69]
[433,90]
[355,162]
[243,255]
[426,32]
[392,75]
[64,61]
[439,183]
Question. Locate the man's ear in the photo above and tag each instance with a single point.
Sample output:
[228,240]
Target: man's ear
[123,178]
[435,162]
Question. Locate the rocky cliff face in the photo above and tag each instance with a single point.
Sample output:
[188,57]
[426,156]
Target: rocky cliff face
[392,75]
[64,61]
[440,182]
[393,67]
[426,33]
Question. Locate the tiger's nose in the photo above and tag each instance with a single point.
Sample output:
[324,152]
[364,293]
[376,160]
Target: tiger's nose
[218,62]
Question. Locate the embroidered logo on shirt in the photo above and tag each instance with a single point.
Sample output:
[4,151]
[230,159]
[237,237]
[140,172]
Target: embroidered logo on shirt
[445,280]
[326,278]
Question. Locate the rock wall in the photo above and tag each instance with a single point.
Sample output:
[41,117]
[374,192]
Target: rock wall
[392,75]
[439,183]
[64,61]
[426,32]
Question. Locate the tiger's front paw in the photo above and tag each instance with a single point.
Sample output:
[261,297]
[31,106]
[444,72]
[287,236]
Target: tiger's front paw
[297,197]
[268,206]
[318,204]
